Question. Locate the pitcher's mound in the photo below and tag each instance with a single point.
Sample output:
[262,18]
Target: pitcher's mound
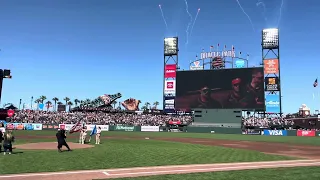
[51,146]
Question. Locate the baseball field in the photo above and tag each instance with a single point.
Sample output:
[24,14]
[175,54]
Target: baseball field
[163,155]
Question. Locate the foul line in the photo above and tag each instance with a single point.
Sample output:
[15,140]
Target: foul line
[150,168]
[215,169]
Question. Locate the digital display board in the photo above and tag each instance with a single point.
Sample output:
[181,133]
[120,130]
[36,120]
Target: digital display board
[220,89]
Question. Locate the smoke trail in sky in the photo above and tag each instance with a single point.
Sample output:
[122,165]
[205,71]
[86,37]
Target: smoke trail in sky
[261,3]
[194,22]
[280,13]
[245,14]
[187,30]
[164,19]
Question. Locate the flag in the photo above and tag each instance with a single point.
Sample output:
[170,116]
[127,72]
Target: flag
[76,128]
[315,84]
[94,130]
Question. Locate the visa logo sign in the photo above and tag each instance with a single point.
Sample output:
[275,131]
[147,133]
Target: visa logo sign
[275,132]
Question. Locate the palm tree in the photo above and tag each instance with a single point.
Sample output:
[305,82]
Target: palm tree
[70,104]
[48,105]
[55,100]
[147,104]
[76,101]
[114,104]
[156,104]
[43,98]
[144,108]
[87,102]
[67,100]
[37,101]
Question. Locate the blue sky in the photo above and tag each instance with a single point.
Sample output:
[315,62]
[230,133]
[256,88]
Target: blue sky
[86,48]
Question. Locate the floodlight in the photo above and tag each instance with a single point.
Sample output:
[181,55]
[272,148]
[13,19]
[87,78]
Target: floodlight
[270,38]
[171,46]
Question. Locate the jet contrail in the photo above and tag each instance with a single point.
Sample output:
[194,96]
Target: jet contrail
[194,22]
[246,14]
[261,3]
[164,19]
[187,30]
[280,13]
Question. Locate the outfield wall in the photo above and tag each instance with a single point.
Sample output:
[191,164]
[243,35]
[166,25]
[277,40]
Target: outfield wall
[187,129]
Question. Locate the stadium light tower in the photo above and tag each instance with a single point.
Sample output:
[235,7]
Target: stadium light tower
[271,63]
[4,73]
[170,58]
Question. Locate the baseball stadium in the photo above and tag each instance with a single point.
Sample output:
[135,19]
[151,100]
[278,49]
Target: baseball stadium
[227,124]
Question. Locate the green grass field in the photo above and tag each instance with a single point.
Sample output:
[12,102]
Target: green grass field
[118,153]
[307,173]
[313,141]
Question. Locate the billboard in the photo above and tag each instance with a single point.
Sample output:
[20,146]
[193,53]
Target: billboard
[240,63]
[170,70]
[216,89]
[170,46]
[271,66]
[272,103]
[272,84]
[196,66]
[169,86]
[169,104]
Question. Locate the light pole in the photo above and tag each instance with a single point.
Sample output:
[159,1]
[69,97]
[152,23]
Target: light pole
[4,73]
[31,102]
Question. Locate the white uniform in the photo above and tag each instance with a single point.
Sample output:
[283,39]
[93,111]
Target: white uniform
[84,136]
[98,136]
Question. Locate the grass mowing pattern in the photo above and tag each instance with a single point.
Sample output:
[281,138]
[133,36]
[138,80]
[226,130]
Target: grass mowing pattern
[299,173]
[119,153]
[315,141]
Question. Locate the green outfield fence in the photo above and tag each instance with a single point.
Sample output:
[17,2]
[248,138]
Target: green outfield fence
[186,129]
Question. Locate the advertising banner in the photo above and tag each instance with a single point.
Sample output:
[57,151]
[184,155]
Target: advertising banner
[272,84]
[90,127]
[150,128]
[169,104]
[275,133]
[272,103]
[252,132]
[124,128]
[50,126]
[196,66]
[24,126]
[170,71]
[103,127]
[239,64]
[271,66]
[170,87]
[311,133]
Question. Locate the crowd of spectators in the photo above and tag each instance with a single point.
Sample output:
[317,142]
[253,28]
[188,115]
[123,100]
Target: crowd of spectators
[102,118]
[252,121]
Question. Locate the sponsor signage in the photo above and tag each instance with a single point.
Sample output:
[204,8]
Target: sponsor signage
[150,128]
[271,66]
[124,128]
[24,126]
[170,71]
[196,66]
[90,127]
[275,132]
[169,104]
[49,126]
[205,55]
[252,132]
[170,87]
[272,103]
[310,133]
[240,64]
[272,84]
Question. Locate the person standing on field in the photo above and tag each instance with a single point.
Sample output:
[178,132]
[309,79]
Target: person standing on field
[7,142]
[98,135]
